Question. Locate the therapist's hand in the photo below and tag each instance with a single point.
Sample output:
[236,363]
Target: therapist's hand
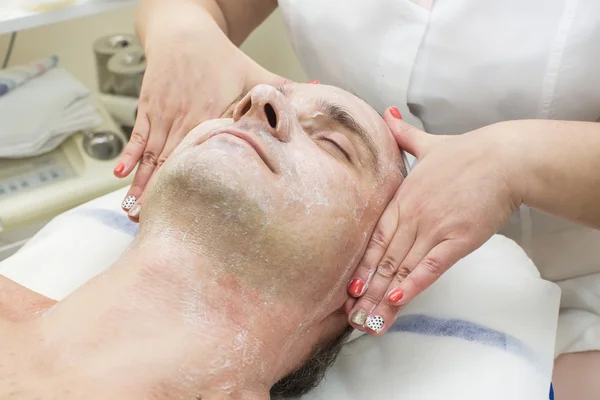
[453,201]
[190,77]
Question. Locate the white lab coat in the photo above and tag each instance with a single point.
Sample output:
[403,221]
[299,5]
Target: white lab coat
[457,65]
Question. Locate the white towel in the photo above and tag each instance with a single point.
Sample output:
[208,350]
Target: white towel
[38,116]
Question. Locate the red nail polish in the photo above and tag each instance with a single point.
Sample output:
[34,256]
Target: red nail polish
[396,295]
[119,168]
[315,82]
[356,287]
[395,113]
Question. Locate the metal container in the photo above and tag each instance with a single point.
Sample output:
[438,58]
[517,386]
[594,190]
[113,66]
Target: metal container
[104,48]
[126,69]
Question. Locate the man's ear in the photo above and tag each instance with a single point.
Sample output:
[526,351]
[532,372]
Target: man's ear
[333,323]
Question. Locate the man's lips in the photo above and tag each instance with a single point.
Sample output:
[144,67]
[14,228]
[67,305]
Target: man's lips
[252,140]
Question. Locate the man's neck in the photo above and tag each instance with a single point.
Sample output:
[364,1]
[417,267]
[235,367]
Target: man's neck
[160,321]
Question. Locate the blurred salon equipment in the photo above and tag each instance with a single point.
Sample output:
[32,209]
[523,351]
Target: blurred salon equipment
[36,188]
[120,67]
[58,142]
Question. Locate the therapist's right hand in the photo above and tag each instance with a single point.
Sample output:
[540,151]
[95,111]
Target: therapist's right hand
[190,77]
[464,188]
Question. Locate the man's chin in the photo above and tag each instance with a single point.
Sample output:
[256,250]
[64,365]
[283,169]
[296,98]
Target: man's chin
[215,180]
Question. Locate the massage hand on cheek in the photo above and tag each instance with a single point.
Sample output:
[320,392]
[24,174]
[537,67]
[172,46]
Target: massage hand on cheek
[462,191]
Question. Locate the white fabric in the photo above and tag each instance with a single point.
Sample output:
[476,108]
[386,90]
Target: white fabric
[73,247]
[453,66]
[579,325]
[485,330]
[434,354]
[38,116]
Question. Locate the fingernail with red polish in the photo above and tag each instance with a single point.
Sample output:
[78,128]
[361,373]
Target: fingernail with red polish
[395,296]
[356,287]
[395,113]
[315,82]
[119,168]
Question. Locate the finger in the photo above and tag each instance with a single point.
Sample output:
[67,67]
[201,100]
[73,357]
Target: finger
[381,318]
[393,260]
[378,243]
[135,147]
[172,142]
[134,212]
[392,299]
[175,137]
[147,163]
[427,270]
[409,138]
[349,304]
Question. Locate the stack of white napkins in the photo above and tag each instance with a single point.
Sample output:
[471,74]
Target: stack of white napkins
[42,113]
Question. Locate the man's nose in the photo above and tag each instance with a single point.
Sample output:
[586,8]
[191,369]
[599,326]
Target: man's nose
[266,104]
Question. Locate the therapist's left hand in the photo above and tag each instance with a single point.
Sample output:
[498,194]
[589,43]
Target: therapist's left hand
[454,200]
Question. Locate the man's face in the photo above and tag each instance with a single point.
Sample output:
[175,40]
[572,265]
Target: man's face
[294,182]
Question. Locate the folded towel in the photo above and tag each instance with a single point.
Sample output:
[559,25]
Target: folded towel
[13,77]
[43,112]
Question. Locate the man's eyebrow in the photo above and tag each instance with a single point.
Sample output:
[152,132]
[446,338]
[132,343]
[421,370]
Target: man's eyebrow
[280,89]
[346,120]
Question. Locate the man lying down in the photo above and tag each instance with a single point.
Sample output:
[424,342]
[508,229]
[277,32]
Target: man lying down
[234,285]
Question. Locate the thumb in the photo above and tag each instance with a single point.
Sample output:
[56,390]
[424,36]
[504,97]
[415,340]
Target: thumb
[409,138]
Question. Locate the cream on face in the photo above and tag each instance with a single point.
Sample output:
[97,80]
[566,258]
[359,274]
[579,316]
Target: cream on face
[320,127]
[295,180]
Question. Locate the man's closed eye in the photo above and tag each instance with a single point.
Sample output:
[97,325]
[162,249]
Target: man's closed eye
[334,146]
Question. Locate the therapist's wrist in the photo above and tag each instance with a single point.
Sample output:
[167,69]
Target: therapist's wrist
[183,21]
[518,156]
[200,36]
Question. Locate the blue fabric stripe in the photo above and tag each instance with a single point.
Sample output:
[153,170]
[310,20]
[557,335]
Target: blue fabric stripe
[113,219]
[465,330]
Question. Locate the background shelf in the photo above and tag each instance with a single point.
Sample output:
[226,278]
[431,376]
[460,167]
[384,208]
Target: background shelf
[14,18]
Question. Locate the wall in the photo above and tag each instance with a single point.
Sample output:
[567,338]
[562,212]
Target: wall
[72,42]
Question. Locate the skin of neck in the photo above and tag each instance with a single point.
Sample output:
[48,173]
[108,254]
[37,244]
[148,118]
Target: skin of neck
[164,321]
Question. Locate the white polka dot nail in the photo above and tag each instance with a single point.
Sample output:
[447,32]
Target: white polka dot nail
[375,323]
[128,202]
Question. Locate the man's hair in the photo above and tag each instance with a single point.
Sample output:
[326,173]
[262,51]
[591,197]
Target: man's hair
[309,375]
